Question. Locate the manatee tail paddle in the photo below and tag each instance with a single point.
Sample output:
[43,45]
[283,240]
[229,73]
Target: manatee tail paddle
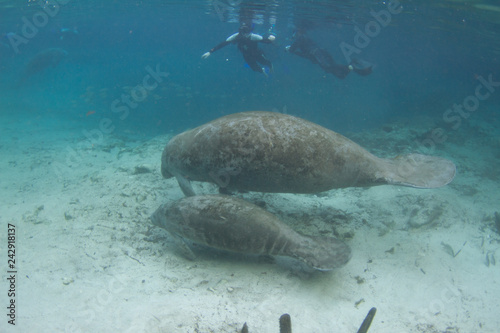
[421,171]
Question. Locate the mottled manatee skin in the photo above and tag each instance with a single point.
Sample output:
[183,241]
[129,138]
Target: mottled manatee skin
[236,225]
[274,152]
[269,152]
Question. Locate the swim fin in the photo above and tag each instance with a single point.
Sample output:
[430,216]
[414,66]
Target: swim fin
[361,67]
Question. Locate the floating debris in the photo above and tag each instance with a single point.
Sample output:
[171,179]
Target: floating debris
[490,258]
[359,302]
[67,280]
[140,169]
[448,249]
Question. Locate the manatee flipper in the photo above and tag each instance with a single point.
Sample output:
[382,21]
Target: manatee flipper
[421,171]
[183,247]
[185,186]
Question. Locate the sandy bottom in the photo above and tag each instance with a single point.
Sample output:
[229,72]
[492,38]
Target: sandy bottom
[89,260]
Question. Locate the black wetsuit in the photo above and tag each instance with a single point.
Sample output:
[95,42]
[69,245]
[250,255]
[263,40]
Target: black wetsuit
[307,48]
[248,46]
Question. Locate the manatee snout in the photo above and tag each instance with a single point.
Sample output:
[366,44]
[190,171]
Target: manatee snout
[159,217]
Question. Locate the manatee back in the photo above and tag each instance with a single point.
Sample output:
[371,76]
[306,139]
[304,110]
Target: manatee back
[267,152]
[226,223]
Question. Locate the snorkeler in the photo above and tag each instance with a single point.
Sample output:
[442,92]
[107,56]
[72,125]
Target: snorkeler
[248,45]
[305,47]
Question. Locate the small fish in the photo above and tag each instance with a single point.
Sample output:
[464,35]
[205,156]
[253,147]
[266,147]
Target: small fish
[89,113]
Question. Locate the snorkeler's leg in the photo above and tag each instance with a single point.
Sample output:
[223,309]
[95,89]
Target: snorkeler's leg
[264,61]
[252,62]
[326,61]
[339,71]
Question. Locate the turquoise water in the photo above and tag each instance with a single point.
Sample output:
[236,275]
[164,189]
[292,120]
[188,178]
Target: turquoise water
[91,92]
[426,50]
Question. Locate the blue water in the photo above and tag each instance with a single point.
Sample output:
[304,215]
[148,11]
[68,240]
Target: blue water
[425,59]
[81,140]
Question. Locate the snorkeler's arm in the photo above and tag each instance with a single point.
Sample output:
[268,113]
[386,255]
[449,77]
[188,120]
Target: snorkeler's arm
[259,38]
[219,46]
[292,48]
[295,49]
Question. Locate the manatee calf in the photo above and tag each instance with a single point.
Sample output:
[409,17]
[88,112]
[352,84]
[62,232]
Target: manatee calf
[274,152]
[232,224]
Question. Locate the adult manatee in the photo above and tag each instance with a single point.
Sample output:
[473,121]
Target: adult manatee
[274,152]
